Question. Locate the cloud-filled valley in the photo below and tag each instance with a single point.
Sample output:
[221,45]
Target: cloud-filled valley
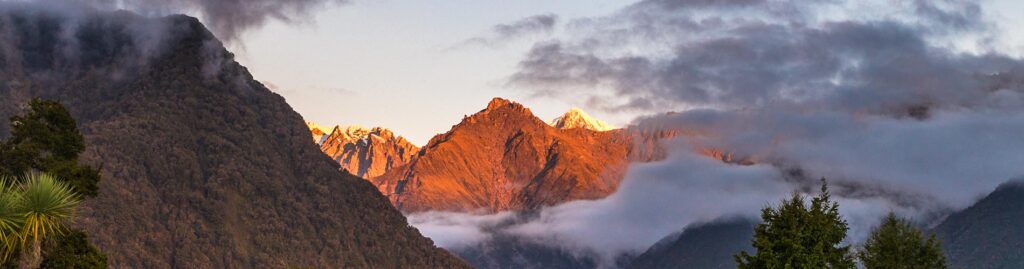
[907,109]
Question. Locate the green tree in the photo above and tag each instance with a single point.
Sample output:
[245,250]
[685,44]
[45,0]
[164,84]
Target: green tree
[72,250]
[31,212]
[45,138]
[48,205]
[797,236]
[897,244]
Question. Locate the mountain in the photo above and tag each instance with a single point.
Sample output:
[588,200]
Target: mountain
[988,234]
[203,167]
[510,252]
[703,246]
[367,153]
[503,157]
[318,132]
[576,118]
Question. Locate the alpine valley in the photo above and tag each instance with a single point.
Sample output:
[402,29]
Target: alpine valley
[732,134]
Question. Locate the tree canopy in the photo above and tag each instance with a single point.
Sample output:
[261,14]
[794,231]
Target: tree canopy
[45,138]
[794,235]
[44,183]
[897,244]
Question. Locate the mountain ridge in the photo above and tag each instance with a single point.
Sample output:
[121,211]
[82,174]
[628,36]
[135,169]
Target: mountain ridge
[366,152]
[203,167]
[987,234]
[503,157]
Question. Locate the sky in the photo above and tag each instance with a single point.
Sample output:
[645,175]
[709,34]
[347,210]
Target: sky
[413,67]
[911,106]
[405,65]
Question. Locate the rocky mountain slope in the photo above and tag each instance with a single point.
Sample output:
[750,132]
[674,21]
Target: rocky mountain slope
[318,132]
[988,234]
[367,153]
[203,167]
[503,158]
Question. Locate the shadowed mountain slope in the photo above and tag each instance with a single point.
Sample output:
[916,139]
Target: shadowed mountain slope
[988,234]
[203,167]
[704,246]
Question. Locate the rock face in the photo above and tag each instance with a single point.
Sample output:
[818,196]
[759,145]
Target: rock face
[318,132]
[203,167]
[988,234]
[504,157]
[367,153]
[576,118]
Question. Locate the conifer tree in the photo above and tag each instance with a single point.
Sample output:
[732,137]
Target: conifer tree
[797,236]
[897,244]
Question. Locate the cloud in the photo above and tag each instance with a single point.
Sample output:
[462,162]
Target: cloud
[658,199]
[228,19]
[458,230]
[895,102]
[503,33]
[747,55]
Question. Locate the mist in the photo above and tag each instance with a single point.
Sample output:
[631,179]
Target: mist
[903,106]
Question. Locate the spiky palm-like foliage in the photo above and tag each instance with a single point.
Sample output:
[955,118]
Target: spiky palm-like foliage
[31,212]
[11,218]
[48,205]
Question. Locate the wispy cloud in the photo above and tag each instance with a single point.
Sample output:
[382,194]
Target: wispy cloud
[504,33]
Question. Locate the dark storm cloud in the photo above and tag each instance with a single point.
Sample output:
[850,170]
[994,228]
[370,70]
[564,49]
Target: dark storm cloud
[751,57]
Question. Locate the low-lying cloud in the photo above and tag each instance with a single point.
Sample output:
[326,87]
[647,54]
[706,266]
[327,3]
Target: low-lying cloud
[903,108]
[229,19]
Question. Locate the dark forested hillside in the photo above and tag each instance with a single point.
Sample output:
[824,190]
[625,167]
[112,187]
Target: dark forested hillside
[704,246]
[988,234]
[202,166]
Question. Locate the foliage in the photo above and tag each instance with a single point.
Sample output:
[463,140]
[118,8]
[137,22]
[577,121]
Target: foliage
[11,218]
[897,244]
[73,250]
[31,212]
[796,236]
[47,205]
[45,138]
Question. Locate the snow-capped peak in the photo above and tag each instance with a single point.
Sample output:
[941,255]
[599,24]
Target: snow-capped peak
[577,118]
[353,132]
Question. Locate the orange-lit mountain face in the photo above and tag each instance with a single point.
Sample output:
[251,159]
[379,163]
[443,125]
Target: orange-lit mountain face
[503,158]
[367,153]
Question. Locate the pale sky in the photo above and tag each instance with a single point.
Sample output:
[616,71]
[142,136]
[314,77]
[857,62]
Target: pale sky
[396,63]
[399,64]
